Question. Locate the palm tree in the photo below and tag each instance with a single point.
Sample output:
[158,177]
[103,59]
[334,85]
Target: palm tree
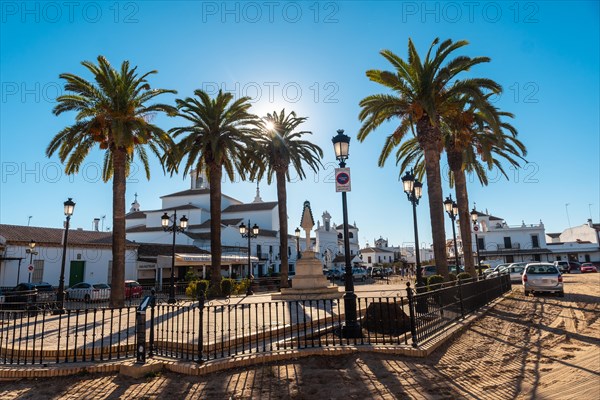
[277,146]
[113,113]
[464,144]
[216,139]
[423,94]
[469,132]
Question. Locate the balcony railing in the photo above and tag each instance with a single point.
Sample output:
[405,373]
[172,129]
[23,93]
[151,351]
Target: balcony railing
[513,246]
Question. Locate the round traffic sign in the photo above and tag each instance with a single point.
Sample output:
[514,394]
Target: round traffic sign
[30,268]
[342,178]
[475,228]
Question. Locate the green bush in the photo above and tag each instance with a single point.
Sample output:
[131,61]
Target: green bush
[213,291]
[434,282]
[195,287]
[190,275]
[451,280]
[227,286]
[464,275]
[242,286]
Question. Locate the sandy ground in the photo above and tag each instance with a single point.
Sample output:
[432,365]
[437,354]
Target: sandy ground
[541,347]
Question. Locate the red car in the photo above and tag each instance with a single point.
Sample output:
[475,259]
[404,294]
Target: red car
[588,267]
[133,289]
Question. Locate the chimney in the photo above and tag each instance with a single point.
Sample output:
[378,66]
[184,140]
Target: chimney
[590,223]
[95,225]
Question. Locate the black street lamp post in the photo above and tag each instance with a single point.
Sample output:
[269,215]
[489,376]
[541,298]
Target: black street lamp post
[414,190]
[297,233]
[169,226]
[246,232]
[351,327]
[69,207]
[474,215]
[31,251]
[452,210]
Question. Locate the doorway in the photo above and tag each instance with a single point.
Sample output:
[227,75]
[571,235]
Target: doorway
[76,272]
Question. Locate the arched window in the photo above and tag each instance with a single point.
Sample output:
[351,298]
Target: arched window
[340,236]
[350,235]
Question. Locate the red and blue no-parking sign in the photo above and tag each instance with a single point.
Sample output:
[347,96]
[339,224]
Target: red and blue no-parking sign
[342,179]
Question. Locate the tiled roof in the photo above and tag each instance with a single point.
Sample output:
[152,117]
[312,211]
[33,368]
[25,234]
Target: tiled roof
[267,232]
[227,222]
[198,236]
[339,258]
[492,218]
[144,228]
[341,226]
[135,215]
[269,205]
[193,192]
[17,234]
[375,250]
[155,249]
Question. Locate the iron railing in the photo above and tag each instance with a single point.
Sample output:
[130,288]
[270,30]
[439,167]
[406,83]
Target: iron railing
[201,330]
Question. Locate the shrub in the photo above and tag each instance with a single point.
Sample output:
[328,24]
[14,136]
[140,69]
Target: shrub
[242,286]
[190,275]
[451,280]
[434,282]
[463,276]
[195,287]
[213,291]
[227,286]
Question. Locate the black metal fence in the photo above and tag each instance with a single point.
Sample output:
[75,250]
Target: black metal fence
[203,330]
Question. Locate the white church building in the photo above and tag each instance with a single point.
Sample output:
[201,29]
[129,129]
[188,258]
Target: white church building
[144,227]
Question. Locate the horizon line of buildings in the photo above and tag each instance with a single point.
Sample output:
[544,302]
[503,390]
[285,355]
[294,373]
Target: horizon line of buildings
[149,247]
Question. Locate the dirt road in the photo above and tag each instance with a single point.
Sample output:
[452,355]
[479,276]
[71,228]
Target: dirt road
[541,347]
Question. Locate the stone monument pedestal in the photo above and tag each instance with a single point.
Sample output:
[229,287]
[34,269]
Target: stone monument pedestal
[309,283]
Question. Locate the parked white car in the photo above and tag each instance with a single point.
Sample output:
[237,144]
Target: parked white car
[359,274]
[542,277]
[88,292]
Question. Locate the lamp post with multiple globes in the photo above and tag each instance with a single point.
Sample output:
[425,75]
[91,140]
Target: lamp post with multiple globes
[246,232]
[171,226]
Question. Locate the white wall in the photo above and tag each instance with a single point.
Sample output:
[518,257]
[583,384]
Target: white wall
[159,237]
[583,232]
[263,218]
[197,200]
[95,268]
[194,216]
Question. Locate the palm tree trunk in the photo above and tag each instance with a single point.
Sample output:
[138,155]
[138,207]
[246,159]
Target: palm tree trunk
[430,142]
[283,226]
[436,210]
[216,174]
[462,200]
[455,162]
[117,294]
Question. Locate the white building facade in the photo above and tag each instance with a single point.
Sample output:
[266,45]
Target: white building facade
[499,242]
[580,243]
[88,257]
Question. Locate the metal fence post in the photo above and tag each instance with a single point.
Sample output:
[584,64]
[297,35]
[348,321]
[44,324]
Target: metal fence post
[460,298]
[201,298]
[411,309]
[152,306]
[140,319]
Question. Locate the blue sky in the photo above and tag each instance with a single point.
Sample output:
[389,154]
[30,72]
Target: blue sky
[310,57]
